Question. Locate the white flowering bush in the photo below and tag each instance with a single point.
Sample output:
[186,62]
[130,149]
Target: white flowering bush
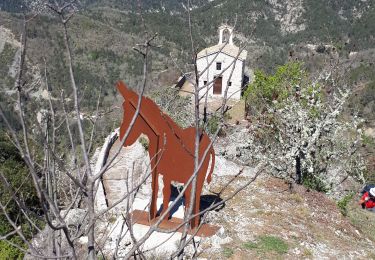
[304,138]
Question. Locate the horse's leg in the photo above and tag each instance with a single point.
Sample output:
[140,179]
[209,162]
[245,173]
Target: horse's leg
[200,181]
[153,148]
[166,195]
[154,196]
[195,221]
[187,199]
[187,205]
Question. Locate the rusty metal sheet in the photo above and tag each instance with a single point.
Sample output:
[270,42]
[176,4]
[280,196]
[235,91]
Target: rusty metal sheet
[171,149]
[205,230]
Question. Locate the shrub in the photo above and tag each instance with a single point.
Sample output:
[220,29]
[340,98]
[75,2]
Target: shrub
[14,169]
[144,142]
[343,203]
[313,182]
[7,251]
[212,124]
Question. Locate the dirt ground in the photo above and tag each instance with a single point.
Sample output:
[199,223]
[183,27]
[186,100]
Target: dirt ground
[268,221]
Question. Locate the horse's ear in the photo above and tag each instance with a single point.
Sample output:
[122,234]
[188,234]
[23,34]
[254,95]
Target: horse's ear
[122,88]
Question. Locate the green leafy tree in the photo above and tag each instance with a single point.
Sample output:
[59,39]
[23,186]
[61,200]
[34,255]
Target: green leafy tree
[267,89]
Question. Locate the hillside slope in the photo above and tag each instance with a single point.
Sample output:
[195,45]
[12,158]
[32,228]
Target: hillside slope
[267,221]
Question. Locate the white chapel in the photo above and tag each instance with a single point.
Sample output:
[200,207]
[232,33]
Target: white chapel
[222,67]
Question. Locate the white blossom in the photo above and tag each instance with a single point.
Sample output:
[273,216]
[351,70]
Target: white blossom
[311,134]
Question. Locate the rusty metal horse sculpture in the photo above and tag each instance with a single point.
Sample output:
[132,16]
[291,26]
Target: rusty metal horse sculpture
[171,149]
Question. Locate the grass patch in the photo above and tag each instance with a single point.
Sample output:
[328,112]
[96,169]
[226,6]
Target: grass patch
[296,197]
[250,245]
[302,211]
[228,252]
[267,244]
[368,141]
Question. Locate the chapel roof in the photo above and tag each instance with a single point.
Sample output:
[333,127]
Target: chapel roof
[225,48]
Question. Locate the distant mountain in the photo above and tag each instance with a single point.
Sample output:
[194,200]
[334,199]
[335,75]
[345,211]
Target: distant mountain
[151,5]
[289,20]
[12,5]
[273,30]
[147,5]
[269,22]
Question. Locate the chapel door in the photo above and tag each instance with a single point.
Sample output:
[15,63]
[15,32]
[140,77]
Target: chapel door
[218,84]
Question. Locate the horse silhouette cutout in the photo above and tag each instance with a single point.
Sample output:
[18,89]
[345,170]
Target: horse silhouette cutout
[171,149]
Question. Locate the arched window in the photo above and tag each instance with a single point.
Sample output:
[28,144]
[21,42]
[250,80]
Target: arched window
[226,36]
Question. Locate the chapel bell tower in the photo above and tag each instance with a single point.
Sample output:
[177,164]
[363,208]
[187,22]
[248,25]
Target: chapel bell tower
[226,34]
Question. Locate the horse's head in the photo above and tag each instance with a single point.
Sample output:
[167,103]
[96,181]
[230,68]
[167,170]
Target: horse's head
[124,90]
[129,111]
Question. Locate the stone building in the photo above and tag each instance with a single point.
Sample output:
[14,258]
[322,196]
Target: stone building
[222,67]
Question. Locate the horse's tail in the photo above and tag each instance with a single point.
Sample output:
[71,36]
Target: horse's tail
[212,152]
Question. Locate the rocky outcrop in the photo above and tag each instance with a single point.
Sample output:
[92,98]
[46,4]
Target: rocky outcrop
[289,14]
[129,169]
